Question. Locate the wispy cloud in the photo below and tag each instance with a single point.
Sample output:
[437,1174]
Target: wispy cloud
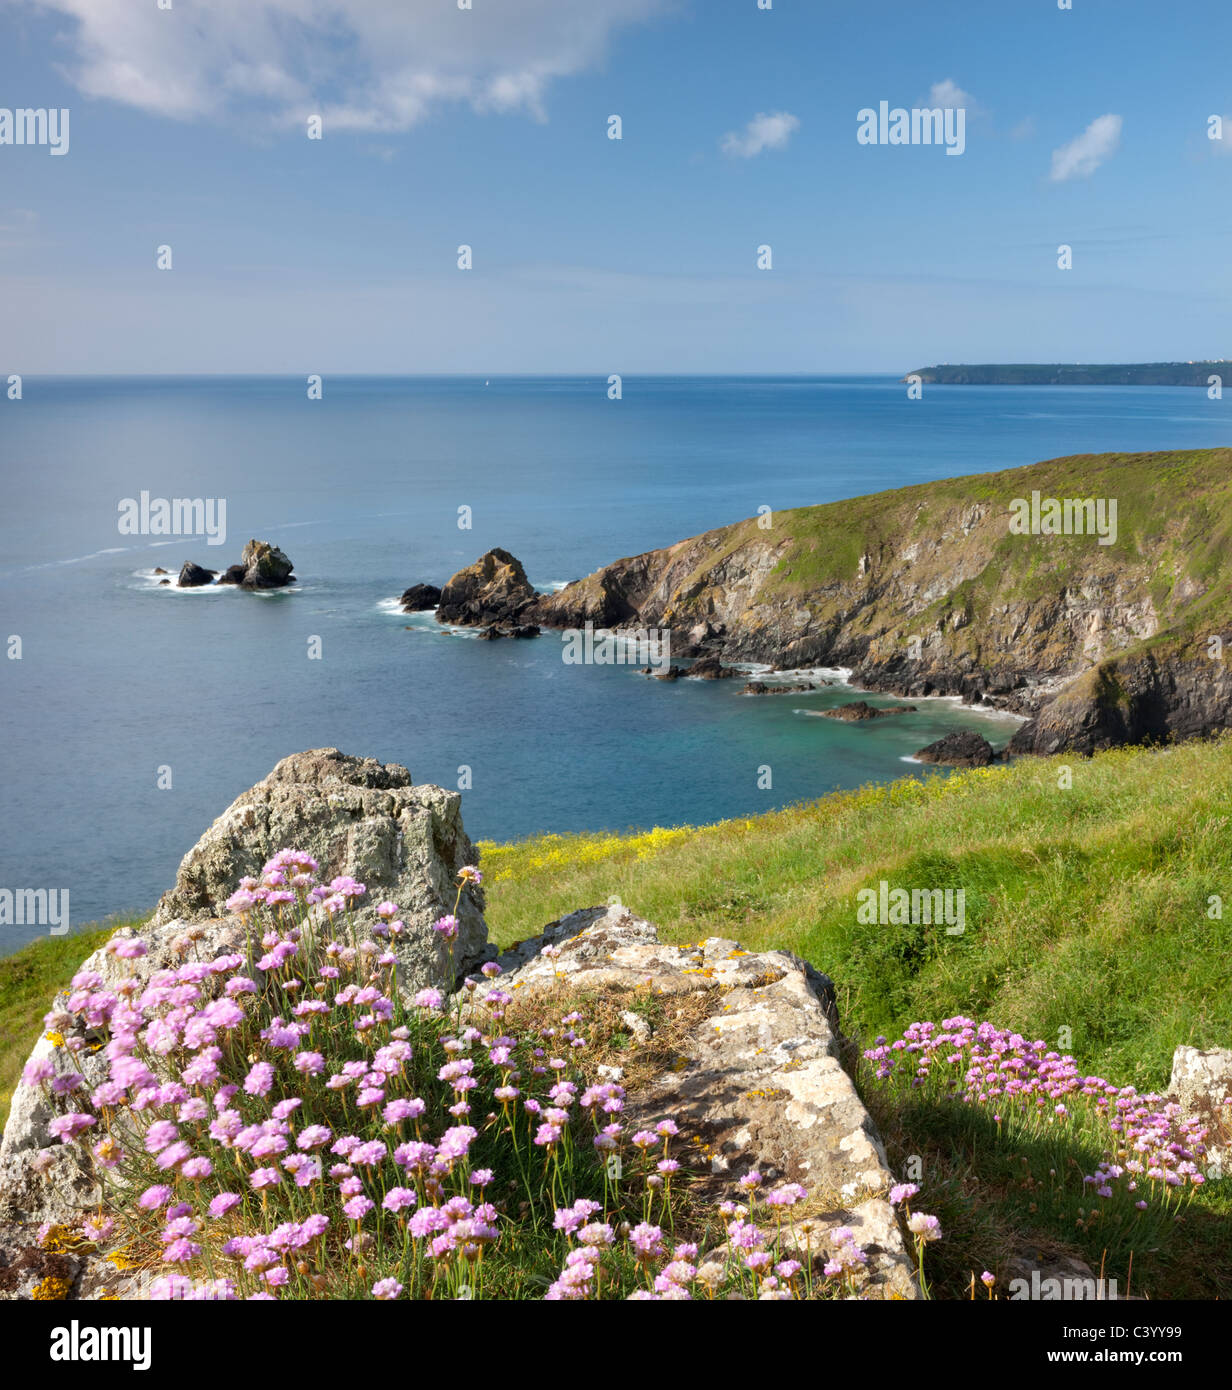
[1080,158]
[367,65]
[949,93]
[764,132]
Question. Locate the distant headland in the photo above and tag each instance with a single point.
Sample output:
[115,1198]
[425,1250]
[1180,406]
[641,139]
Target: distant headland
[1076,374]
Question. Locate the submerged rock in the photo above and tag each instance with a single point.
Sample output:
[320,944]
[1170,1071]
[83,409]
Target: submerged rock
[761,688]
[709,668]
[962,749]
[861,709]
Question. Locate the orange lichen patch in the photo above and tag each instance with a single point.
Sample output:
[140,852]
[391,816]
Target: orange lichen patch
[52,1288]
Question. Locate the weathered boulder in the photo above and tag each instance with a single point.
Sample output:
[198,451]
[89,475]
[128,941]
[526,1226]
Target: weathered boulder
[419,598]
[233,574]
[1201,1084]
[494,589]
[962,749]
[194,576]
[759,1083]
[861,709]
[354,816]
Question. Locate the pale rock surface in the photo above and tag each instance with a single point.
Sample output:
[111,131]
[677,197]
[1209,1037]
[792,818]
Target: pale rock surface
[761,1085]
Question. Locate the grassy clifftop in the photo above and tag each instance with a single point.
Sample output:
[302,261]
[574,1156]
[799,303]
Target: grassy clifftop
[1086,908]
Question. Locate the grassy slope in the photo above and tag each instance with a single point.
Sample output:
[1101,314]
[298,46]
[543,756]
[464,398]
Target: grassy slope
[1086,908]
[28,981]
[1174,519]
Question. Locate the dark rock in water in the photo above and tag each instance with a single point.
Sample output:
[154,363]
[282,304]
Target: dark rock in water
[233,574]
[761,688]
[265,566]
[963,749]
[420,598]
[709,668]
[158,569]
[494,589]
[490,634]
[673,673]
[524,630]
[163,582]
[861,709]
[193,576]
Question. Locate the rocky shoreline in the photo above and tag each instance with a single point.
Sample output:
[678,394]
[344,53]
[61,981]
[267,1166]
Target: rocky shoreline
[929,596]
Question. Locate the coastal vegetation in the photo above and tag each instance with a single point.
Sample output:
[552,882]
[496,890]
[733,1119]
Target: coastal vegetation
[1094,935]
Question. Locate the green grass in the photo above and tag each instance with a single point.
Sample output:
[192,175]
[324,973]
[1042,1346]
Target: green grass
[1086,908]
[1086,911]
[28,981]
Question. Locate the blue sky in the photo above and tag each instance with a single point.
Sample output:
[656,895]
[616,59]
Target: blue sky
[489,126]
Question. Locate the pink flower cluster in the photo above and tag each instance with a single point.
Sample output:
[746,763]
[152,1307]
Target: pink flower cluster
[1002,1071]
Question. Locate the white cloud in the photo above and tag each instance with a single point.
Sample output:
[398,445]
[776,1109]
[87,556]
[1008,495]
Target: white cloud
[375,65]
[949,93]
[763,132]
[1084,154]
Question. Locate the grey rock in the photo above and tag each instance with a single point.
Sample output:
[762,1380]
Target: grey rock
[354,816]
[761,1082]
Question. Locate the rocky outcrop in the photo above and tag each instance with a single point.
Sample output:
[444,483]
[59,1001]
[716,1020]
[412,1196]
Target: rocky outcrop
[709,668]
[759,1083]
[193,576]
[927,591]
[354,816]
[858,710]
[419,598]
[963,749]
[262,566]
[491,592]
[1152,697]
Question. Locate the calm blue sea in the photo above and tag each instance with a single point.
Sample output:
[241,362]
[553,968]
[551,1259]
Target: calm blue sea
[118,678]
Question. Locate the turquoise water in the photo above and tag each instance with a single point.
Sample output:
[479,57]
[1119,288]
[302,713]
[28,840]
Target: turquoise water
[119,678]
